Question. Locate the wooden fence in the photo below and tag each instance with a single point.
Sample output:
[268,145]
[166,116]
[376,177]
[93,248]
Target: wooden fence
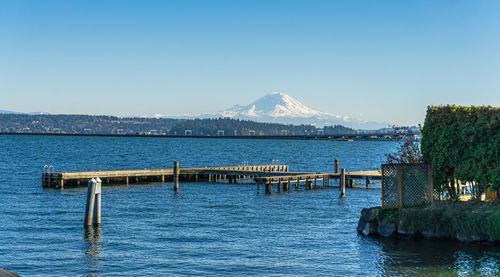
[406,185]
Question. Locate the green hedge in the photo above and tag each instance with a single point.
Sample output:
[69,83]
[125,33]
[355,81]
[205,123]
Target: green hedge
[462,143]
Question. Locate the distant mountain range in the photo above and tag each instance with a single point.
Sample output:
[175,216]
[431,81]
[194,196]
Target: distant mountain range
[94,124]
[275,107]
[12,112]
[4,111]
[278,107]
[15,122]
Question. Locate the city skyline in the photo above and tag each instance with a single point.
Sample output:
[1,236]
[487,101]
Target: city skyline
[370,60]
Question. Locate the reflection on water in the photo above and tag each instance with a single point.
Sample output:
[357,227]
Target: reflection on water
[93,248]
[433,257]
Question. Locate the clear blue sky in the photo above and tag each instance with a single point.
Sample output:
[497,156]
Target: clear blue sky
[374,60]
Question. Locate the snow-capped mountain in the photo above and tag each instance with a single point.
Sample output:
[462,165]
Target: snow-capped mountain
[276,105]
[12,112]
[282,108]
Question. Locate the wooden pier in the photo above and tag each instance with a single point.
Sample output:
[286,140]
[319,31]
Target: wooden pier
[269,176]
[311,180]
[76,179]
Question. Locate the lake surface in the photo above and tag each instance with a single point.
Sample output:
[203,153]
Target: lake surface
[206,229]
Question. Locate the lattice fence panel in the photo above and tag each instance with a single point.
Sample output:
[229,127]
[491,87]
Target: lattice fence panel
[406,185]
[389,186]
[415,185]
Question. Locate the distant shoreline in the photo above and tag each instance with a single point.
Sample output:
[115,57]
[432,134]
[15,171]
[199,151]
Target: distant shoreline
[370,137]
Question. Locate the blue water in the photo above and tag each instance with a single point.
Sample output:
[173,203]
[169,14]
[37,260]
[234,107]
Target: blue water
[206,229]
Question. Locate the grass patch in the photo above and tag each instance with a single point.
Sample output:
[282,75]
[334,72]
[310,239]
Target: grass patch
[469,219]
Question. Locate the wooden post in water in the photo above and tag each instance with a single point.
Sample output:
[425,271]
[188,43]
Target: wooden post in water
[342,182]
[176,176]
[336,166]
[268,187]
[89,208]
[367,181]
[97,192]
[351,182]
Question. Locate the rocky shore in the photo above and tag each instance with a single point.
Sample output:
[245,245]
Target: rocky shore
[477,224]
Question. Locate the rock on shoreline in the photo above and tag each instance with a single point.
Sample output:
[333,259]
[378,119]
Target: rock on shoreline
[377,221]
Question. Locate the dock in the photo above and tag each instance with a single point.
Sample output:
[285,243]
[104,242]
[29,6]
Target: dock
[52,179]
[312,180]
[267,175]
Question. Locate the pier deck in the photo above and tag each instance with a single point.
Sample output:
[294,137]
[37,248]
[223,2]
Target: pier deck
[373,174]
[267,175]
[72,179]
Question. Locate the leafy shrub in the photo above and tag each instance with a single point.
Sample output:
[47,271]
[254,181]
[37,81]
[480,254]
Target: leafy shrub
[408,152]
[462,143]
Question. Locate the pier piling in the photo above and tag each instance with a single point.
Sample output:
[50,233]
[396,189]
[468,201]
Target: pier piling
[342,182]
[89,208]
[176,176]
[97,193]
[268,187]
